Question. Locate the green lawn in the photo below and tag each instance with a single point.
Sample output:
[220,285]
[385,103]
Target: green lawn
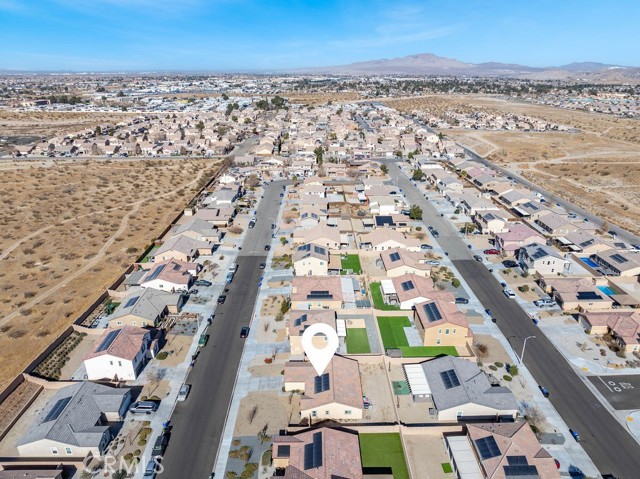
[352,262]
[357,341]
[427,351]
[384,450]
[392,332]
[150,254]
[378,303]
[446,467]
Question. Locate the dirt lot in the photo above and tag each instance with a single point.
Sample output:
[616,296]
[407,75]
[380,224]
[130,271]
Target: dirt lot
[70,229]
[14,123]
[260,408]
[597,168]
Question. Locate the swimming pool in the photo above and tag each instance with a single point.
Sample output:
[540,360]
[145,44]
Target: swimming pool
[589,263]
[606,290]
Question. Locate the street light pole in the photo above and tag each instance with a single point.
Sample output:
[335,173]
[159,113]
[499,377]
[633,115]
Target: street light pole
[524,346]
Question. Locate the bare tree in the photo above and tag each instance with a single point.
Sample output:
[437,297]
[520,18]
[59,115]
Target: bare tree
[252,413]
[533,414]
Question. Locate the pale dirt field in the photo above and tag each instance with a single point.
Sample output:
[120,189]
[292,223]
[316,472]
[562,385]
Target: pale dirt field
[70,229]
[427,466]
[320,98]
[15,123]
[597,168]
[272,409]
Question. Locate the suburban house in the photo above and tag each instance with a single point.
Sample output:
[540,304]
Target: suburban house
[618,263]
[336,394]
[183,248]
[145,307]
[383,239]
[490,222]
[220,217]
[459,390]
[623,325]
[518,236]
[556,225]
[398,261]
[313,292]
[499,451]
[584,242]
[441,323]
[120,354]
[299,321]
[197,229]
[171,275]
[541,259]
[576,294]
[310,260]
[321,235]
[409,289]
[75,422]
[322,453]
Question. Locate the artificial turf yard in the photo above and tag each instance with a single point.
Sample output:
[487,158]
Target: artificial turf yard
[393,337]
[351,262]
[378,302]
[357,341]
[384,450]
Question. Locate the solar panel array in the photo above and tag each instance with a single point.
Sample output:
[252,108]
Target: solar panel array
[618,258]
[432,312]
[57,409]
[586,295]
[131,301]
[154,274]
[108,340]
[539,253]
[450,379]
[319,250]
[487,447]
[528,472]
[305,247]
[407,285]
[284,451]
[300,320]
[319,295]
[313,452]
[321,383]
[394,257]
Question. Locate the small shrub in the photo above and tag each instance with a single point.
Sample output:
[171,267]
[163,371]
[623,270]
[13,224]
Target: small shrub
[162,355]
[506,377]
[499,364]
[492,367]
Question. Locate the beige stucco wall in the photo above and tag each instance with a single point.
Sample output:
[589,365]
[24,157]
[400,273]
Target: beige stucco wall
[311,267]
[457,338]
[332,411]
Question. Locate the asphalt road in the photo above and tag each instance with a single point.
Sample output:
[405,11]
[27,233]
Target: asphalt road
[198,423]
[608,444]
[622,392]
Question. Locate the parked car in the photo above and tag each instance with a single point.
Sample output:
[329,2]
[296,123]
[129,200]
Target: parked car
[508,263]
[161,444]
[229,277]
[244,332]
[462,300]
[491,251]
[509,293]
[204,339]
[435,234]
[477,257]
[405,212]
[433,262]
[545,303]
[267,247]
[152,468]
[575,435]
[503,284]
[202,282]
[426,247]
[544,391]
[281,195]
[143,407]
[194,291]
[273,226]
[184,392]
[263,265]
[252,223]
[222,298]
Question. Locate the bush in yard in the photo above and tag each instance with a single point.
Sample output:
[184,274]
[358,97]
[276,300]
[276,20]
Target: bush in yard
[524,288]
[513,370]
[499,364]
[506,377]
[492,367]
[162,355]
[455,282]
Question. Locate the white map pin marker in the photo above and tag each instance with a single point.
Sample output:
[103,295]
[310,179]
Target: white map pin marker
[320,357]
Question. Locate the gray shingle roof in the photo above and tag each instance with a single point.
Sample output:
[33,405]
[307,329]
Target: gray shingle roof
[80,422]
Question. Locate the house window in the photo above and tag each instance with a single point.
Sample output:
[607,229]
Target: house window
[120,363]
[454,331]
[68,451]
[134,322]
[446,331]
[314,414]
[326,413]
[54,451]
[119,323]
[438,341]
[110,363]
[347,411]
[439,331]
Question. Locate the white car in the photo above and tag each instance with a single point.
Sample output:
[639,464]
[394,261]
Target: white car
[433,262]
[509,293]
[184,392]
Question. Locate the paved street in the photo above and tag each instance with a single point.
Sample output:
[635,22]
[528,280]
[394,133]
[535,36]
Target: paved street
[198,422]
[608,444]
[622,392]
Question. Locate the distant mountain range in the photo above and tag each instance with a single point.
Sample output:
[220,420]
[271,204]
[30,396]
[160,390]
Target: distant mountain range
[430,64]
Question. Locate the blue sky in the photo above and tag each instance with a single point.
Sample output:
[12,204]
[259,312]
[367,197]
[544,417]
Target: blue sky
[235,35]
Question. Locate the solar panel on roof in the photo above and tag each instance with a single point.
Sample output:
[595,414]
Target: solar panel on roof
[106,342]
[450,379]
[131,301]
[527,471]
[284,451]
[407,285]
[539,253]
[321,383]
[319,250]
[154,274]
[304,247]
[618,258]
[384,221]
[57,409]
[586,295]
[394,257]
[487,447]
[432,312]
[300,320]
[517,460]
[176,266]
[319,295]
